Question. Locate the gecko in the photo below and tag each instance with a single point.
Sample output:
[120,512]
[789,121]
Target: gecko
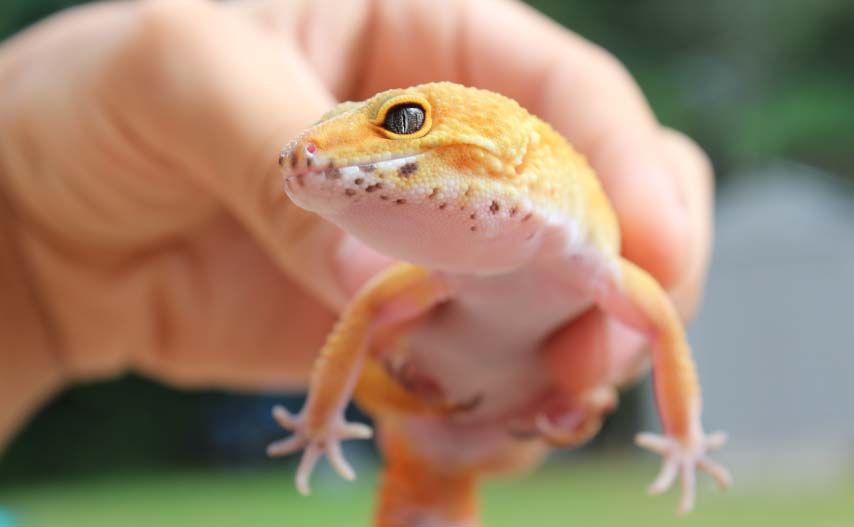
[504,236]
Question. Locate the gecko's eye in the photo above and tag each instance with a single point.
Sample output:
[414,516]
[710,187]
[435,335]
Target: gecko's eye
[404,119]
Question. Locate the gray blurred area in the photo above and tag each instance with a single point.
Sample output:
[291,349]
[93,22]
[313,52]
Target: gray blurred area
[775,339]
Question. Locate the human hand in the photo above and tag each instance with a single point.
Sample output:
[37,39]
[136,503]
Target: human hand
[138,147]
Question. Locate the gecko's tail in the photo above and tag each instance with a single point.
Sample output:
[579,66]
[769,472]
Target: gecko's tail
[414,494]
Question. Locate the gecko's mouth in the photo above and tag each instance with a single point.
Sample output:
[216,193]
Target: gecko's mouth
[313,162]
[318,183]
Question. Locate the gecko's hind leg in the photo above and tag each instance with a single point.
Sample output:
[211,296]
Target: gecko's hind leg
[564,420]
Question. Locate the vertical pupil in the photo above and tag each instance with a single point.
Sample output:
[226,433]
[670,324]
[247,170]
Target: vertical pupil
[404,119]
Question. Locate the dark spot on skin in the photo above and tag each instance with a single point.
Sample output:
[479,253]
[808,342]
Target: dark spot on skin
[359,180]
[288,182]
[294,161]
[468,192]
[367,168]
[300,180]
[530,236]
[527,216]
[282,157]
[308,162]
[331,165]
[400,201]
[375,186]
[350,192]
[473,215]
[408,169]
[472,228]
[333,174]
[513,211]
[494,207]
[433,194]
[383,197]
[442,206]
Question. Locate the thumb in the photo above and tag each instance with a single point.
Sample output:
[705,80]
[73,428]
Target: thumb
[248,94]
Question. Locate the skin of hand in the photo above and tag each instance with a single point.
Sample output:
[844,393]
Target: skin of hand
[142,217]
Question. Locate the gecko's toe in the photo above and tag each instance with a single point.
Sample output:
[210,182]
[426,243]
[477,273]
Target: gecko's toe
[355,431]
[306,466]
[286,420]
[717,471]
[286,446]
[654,442]
[665,478]
[338,462]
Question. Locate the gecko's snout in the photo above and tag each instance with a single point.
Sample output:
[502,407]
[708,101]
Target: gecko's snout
[298,156]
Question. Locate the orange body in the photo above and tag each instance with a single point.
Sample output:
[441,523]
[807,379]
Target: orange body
[510,238]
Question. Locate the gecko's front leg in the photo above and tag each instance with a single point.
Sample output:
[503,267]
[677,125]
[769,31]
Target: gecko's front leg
[401,293]
[634,298]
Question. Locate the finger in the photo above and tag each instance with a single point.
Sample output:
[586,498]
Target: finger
[720,474]
[579,88]
[595,351]
[693,172]
[247,97]
[285,419]
[286,446]
[235,321]
[306,466]
[666,477]
[329,33]
[338,462]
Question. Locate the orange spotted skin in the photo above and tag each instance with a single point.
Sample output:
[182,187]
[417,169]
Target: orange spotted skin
[510,239]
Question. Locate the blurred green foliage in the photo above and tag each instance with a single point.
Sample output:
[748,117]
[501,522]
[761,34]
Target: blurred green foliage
[604,493]
[752,82]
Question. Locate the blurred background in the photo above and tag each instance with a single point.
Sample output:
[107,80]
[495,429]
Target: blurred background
[767,88]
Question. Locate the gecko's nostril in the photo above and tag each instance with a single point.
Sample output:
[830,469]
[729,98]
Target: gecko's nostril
[310,149]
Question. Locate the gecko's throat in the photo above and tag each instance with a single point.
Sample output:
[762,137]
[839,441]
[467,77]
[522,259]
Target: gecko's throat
[415,207]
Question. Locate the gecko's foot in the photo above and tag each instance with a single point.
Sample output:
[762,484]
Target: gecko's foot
[407,375]
[427,388]
[682,460]
[316,444]
[570,421]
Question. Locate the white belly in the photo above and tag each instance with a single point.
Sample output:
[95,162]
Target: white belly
[486,344]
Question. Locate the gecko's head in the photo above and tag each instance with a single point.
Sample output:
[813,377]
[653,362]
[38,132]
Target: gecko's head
[437,174]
